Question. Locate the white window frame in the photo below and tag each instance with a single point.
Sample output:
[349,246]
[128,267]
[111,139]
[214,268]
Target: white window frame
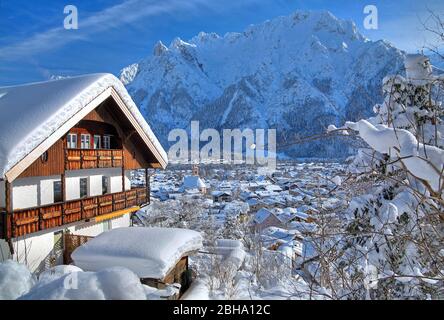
[71,141]
[99,146]
[85,141]
[107,142]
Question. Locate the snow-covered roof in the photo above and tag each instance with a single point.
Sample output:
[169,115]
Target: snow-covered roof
[193,182]
[32,113]
[219,193]
[148,252]
[271,234]
[261,215]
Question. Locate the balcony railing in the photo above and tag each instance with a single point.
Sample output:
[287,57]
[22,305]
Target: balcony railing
[54,215]
[77,159]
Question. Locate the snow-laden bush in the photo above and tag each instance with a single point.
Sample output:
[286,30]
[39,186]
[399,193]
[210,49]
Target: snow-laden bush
[392,237]
[15,280]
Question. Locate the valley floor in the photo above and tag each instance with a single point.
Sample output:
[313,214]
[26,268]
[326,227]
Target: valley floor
[257,227]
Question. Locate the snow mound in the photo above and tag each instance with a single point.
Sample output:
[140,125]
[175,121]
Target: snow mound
[109,284]
[15,280]
[149,252]
[57,272]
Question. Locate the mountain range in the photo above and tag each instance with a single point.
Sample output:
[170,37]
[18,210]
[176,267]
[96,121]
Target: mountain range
[296,73]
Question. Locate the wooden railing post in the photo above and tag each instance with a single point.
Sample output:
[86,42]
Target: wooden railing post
[8,207]
[40,218]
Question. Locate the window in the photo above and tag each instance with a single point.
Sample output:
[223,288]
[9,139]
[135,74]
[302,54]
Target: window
[83,187]
[105,185]
[71,141]
[57,187]
[44,157]
[106,142]
[97,144]
[85,141]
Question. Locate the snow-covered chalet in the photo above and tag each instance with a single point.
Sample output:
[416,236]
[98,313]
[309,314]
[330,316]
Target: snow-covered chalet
[67,151]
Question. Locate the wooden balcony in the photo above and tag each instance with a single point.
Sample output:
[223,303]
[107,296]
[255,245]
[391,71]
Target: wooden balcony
[35,219]
[76,159]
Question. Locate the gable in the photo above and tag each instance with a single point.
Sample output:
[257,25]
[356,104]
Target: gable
[100,121]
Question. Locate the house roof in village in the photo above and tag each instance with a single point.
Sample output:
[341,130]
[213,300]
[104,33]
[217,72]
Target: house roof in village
[219,193]
[34,116]
[261,215]
[193,182]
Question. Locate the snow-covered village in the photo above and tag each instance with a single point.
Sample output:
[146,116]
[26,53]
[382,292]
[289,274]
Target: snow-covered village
[301,158]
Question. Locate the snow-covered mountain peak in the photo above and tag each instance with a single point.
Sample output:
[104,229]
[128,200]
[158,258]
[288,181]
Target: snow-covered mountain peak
[159,48]
[299,72]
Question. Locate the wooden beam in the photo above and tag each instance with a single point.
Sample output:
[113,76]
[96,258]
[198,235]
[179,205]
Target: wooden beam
[10,230]
[63,180]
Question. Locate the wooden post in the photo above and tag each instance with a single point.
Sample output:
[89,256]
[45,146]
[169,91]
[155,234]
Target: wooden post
[123,175]
[9,213]
[63,182]
[40,218]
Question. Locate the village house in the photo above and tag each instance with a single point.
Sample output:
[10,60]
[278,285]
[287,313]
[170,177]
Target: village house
[68,149]
[265,218]
[221,196]
[194,182]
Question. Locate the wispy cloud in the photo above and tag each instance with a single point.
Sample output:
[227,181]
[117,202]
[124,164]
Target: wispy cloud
[126,12]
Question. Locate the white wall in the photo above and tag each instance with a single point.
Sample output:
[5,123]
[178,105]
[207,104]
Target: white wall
[36,191]
[33,249]
[25,193]
[47,189]
[94,177]
[93,229]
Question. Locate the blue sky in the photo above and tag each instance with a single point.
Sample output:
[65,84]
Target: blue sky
[114,33]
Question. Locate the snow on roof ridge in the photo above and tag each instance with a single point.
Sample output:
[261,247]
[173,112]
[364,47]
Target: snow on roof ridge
[90,86]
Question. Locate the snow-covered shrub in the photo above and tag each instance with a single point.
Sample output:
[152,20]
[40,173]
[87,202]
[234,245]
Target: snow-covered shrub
[15,280]
[393,232]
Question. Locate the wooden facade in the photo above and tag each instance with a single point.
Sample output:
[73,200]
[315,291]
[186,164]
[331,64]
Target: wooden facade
[127,151]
